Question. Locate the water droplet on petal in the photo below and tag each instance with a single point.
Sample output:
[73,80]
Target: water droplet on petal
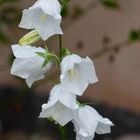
[61,76]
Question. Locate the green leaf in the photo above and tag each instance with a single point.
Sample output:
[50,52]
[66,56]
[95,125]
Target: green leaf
[111,4]
[133,36]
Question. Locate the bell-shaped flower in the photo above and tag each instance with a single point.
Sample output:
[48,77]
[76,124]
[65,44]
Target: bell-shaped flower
[77,73]
[60,106]
[28,64]
[44,16]
[87,121]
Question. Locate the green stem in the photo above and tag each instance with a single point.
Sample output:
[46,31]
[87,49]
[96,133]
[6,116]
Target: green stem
[53,55]
[60,47]
[63,133]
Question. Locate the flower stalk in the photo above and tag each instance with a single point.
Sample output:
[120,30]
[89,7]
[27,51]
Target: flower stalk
[32,63]
[63,133]
[60,47]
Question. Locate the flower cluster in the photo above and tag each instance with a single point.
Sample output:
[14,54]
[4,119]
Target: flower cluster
[32,64]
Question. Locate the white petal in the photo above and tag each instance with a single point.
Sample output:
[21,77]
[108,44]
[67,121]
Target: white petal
[89,70]
[47,26]
[38,74]
[24,67]
[28,64]
[83,73]
[27,20]
[60,106]
[79,137]
[68,63]
[66,98]
[25,51]
[76,84]
[58,112]
[50,7]
[32,78]
[104,126]
[44,16]
[86,119]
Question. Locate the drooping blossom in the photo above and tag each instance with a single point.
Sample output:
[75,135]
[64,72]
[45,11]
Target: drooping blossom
[77,73]
[60,106]
[28,64]
[87,122]
[44,16]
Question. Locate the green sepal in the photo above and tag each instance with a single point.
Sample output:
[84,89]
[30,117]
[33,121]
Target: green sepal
[51,119]
[65,52]
[46,48]
[46,61]
[41,54]
[46,57]
[80,104]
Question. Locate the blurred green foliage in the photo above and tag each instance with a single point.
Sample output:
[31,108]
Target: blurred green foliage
[77,11]
[4,1]
[64,11]
[3,38]
[9,15]
[133,35]
[112,4]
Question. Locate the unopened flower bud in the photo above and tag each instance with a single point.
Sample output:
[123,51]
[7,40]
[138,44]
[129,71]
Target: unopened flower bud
[30,38]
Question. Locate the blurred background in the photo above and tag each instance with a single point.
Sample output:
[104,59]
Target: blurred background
[106,30]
